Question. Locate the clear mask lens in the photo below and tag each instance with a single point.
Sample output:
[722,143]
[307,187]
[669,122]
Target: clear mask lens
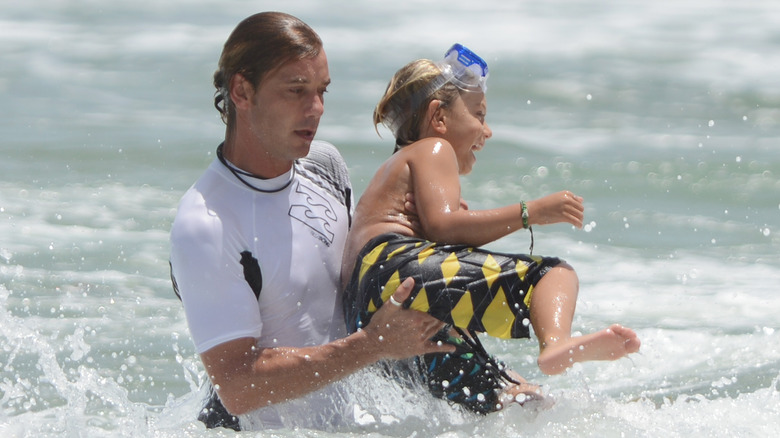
[466,69]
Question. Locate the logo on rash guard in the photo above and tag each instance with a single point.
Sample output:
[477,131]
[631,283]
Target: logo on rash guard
[314,211]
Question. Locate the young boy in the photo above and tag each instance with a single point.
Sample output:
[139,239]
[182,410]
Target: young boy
[437,113]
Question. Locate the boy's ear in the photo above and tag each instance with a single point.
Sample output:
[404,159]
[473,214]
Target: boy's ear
[241,91]
[436,117]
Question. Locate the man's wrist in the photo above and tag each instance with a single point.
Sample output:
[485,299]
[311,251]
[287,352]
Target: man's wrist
[364,342]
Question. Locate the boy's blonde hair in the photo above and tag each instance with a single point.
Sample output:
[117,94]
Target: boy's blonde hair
[407,97]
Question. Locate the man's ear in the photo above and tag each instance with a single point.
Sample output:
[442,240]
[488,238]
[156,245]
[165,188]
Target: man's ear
[436,117]
[241,91]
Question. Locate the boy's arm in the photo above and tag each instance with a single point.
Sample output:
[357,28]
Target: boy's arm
[436,180]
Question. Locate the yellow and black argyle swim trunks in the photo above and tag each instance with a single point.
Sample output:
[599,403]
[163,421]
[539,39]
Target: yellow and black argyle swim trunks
[470,288]
[467,287]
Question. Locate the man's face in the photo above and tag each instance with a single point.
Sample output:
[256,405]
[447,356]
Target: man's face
[287,107]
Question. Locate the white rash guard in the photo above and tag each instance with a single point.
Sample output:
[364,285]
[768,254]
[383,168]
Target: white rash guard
[295,228]
[262,258]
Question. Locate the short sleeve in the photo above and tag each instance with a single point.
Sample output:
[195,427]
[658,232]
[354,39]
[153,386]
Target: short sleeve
[219,304]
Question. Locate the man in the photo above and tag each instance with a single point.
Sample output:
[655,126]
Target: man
[257,242]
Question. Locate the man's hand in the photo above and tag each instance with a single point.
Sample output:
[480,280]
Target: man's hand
[404,333]
[410,212]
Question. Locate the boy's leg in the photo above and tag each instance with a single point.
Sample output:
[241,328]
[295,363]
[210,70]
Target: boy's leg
[552,311]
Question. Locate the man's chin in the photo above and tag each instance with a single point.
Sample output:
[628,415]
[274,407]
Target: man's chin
[302,149]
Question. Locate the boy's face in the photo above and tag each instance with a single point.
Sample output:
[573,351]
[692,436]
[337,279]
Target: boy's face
[467,129]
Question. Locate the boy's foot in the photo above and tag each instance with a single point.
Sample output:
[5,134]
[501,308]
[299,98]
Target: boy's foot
[609,344]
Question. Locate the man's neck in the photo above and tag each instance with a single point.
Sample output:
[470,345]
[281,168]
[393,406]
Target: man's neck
[253,158]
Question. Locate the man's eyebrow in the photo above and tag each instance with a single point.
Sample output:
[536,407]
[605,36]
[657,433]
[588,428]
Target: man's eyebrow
[298,80]
[303,80]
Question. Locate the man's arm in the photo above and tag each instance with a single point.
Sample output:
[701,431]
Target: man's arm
[247,377]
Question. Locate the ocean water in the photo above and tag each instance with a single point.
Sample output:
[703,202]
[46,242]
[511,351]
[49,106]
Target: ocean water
[664,116]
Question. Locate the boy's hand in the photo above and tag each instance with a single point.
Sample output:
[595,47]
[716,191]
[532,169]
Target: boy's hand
[559,207]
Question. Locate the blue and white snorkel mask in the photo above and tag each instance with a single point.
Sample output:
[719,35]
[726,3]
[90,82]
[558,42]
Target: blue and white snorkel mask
[465,69]
[460,67]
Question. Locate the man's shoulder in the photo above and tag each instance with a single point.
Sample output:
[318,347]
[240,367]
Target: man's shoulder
[199,207]
[325,166]
[325,155]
